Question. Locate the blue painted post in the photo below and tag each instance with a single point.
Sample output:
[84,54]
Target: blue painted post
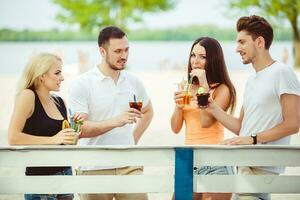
[184,161]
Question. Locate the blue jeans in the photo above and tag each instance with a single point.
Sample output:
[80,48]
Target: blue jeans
[213,170]
[67,172]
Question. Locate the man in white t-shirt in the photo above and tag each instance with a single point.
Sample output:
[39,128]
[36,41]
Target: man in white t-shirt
[271,106]
[102,97]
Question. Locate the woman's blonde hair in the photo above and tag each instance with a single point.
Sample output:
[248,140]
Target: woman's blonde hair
[38,65]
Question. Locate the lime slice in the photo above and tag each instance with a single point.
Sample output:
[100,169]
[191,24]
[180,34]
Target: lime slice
[200,90]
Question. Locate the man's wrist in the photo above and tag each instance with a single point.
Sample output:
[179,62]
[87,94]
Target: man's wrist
[114,123]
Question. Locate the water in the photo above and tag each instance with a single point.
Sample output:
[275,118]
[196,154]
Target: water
[146,55]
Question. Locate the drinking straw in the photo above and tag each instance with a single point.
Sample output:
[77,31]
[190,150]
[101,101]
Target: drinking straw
[71,119]
[70,112]
[191,80]
[135,103]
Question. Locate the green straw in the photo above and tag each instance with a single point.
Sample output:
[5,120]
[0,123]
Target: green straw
[191,80]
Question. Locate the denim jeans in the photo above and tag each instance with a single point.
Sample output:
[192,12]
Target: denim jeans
[67,172]
[213,170]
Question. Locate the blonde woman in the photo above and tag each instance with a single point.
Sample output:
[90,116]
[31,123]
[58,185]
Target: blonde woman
[38,115]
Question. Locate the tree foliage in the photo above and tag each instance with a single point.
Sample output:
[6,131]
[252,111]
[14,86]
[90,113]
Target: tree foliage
[281,9]
[182,33]
[286,9]
[90,14]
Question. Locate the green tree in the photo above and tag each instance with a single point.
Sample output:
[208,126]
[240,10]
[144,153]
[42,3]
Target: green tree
[92,14]
[282,9]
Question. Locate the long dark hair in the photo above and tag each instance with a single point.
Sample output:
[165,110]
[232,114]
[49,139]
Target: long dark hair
[215,67]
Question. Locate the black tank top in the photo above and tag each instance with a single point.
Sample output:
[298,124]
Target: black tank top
[40,124]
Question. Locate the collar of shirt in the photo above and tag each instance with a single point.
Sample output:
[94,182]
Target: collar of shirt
[97,71]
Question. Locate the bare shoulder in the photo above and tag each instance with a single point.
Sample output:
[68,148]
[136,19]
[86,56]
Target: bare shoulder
[26,95]
[222,90]
[25,102]
[26,98]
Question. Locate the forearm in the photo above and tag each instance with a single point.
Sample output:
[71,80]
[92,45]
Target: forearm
[177,120]
[281,130]
[92,129]
[231,123]
[27,139]
[142,125]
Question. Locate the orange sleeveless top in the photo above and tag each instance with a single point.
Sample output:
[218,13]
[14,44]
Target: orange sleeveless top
[194,133]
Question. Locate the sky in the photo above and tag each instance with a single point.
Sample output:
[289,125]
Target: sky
[40,15]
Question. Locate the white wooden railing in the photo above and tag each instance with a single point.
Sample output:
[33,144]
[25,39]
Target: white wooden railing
[203,155]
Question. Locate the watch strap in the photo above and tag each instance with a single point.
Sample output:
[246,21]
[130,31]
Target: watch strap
[254,137]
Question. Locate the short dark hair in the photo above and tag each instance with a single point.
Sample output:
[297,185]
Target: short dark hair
[256,26]
[108,33]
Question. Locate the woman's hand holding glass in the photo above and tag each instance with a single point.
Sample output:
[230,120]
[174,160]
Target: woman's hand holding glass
[70,130]
[179,99]
[65,136]
[183,95]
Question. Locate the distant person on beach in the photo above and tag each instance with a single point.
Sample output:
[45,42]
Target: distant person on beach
[206,66]
[82,61]
[38,115]
[271,106]
[285,56]
[102,96]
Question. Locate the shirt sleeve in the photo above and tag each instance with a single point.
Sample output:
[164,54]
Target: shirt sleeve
[142,94]
[78,97]
[288,82]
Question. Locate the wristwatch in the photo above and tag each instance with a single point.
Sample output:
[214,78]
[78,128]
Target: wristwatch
[254,137]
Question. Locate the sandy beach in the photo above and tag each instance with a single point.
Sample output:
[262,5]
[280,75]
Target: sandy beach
[160,86]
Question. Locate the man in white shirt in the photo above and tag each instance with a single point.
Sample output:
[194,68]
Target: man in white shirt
[102,97]
[271,106]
